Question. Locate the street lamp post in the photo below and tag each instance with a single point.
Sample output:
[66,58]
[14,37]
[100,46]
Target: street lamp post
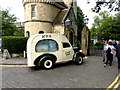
[67,22]
[86,20]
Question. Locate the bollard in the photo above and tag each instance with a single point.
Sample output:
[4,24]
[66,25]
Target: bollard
[25,54]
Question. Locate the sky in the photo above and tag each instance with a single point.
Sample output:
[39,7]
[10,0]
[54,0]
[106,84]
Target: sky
[86,8]
[16,8]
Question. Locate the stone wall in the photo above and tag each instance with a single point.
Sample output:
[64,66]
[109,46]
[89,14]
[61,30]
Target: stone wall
[45,12]
[85,41]
[73,22]
[59,29]
[45,15]
[35,27]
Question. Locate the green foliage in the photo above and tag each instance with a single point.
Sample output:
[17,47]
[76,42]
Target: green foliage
[80,17]
[93,46]
[8,20]
[110,27]
[99,44]
[93,32]
[19,32]
[14,44]
[106,26]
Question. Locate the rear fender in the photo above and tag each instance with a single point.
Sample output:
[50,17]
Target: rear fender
[38,59]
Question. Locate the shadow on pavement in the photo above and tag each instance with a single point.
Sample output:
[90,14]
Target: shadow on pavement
[36,68]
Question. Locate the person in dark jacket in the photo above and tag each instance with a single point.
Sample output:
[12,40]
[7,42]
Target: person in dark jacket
[109,51]
[117,48]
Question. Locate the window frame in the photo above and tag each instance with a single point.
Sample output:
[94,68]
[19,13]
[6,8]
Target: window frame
[33,13]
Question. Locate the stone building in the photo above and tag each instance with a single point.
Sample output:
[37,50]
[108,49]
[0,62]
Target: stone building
[51,16]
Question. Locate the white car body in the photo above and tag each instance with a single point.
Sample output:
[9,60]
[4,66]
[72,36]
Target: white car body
[62,54]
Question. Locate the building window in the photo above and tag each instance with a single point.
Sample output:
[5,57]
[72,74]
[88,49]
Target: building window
[41,32]
[46,45]
[27,34]
[33,11]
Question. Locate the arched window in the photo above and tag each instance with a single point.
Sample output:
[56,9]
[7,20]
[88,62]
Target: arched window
[27,34]
[41,32]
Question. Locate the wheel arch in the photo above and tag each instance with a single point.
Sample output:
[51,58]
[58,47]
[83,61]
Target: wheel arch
[47,54]
[78,53]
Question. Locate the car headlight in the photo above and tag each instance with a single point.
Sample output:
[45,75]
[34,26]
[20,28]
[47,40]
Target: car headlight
[80,51]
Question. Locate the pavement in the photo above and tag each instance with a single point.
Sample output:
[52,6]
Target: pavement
[92,74]
[13,61]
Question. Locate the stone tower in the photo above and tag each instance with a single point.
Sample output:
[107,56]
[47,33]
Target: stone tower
[40,15]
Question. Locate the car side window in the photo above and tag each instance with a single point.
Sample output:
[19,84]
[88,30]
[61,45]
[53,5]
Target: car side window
[66,45]
[46,45]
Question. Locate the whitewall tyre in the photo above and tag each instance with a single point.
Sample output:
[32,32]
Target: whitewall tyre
[48,64]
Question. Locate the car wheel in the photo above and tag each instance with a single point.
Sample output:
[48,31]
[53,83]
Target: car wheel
[79,60]
[47,62]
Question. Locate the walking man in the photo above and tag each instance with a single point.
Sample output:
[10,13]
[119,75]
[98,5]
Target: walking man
[109,51]
[117,48]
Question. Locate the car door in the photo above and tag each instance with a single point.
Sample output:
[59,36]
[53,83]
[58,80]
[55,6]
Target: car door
[68,52]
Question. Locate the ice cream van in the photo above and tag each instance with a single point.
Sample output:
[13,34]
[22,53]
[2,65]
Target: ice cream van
[48,49]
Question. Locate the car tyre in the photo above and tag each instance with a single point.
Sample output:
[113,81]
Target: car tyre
[47,62]
[79,60]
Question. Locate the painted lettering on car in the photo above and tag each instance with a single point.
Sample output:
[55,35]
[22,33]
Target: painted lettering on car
[67,53]
[46,36]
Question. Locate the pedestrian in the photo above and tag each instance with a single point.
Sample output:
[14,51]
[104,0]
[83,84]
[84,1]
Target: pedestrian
[104,55]
[117,48]
[109,51]
[114,43]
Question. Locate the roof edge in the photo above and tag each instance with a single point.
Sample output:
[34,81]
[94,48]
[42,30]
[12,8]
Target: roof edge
[60,5]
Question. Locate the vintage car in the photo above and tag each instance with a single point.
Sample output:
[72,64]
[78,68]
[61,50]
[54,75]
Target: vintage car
[48,49]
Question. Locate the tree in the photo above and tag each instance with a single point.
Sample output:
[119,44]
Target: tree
[106,26]
[8,20]
[111,27]
[113,5]
[80,17]
[19,32]
[93,32]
